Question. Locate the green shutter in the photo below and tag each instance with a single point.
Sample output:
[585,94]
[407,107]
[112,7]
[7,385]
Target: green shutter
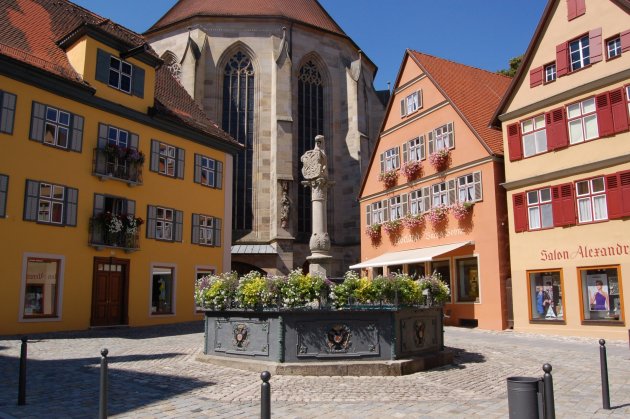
[197,177]
[76,137]
[151,214]
[195,229]
[102,66]
[38,115]
[137,82]
[217,232]
[7,112]
[155,156]
[181,158]
[179,226]
[31,200]
[4,187]
[72,202]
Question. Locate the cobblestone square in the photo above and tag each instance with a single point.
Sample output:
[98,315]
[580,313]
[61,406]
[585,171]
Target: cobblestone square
[154,374]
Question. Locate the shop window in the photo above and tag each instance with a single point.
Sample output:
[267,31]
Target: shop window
[443,269]
[377,271]
[546,295]
[601,294]
[41,287]
[162,289]
[395,269]
[467,280]
[416,270]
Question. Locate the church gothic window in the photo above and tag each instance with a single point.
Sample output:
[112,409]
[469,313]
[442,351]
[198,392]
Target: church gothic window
[310,124]
[238,121]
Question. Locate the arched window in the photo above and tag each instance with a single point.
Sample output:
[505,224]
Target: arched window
[238,120]
[173,65]
[310,124]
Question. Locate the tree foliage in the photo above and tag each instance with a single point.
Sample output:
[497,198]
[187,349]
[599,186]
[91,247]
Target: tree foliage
[514,65]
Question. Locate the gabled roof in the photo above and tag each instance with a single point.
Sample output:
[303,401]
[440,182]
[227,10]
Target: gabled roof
[472,92]
[308,12]
[529,53]
[32,32]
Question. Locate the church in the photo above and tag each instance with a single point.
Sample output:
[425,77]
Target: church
[274,75]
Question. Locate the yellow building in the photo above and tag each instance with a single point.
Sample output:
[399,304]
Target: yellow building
[565,124]
[114,185]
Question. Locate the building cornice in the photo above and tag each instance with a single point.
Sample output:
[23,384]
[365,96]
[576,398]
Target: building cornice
[415,118]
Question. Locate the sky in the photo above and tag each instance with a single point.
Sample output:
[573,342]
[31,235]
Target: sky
[480,33]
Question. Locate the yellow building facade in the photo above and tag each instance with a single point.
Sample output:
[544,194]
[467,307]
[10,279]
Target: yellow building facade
[114,186]
[565,122]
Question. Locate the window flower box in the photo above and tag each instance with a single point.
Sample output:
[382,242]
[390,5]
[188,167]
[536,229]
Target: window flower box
[440,159]
[392,227]
[374,231]
[388,178]
[462,210]
[413,221]
[437,215]
[412,170]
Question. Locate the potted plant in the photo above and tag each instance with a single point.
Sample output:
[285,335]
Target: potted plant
[461,210]
[435,291]
[440,159]
[392,227]
[411,169]
[374,231]
[413,221]
[438,214]
[388,178]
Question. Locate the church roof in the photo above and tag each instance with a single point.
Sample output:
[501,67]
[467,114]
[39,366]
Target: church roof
[33,32]
[308,12]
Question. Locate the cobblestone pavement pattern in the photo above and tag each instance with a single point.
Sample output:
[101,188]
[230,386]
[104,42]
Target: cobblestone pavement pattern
[154,374]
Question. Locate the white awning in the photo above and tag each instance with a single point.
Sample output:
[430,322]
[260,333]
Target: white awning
[410,256]
[253,249]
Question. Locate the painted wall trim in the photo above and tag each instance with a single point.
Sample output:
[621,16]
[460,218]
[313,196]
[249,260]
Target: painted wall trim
[410,83]
[415,118]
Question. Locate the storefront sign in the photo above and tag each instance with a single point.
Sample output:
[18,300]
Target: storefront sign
[585,252]
[410,238]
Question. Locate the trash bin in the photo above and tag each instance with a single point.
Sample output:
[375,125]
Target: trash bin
[523,397]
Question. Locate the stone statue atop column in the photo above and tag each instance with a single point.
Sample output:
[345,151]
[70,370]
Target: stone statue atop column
[315,172]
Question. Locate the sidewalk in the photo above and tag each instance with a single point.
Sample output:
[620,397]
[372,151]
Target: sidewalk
[153,374]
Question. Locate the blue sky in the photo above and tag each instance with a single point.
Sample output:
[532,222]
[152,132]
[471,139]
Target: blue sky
[479,33]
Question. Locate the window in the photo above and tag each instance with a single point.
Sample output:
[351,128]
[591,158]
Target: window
[601,294]
[56,127]
[546,296]
[164,223]
[7,112]
[41,287]
[613,47]
[208,172]
[120,74]
[440,194]
[390,160]
[469,187]
[413,150]
[443,268]
[162,289]
[550,73]
[591,200]
[582,121]
[238,121]
[206,230]
[628,97]
[167,160]
[411,103]
[539,209]
[579,53]
[416,270]
[375,213]
[4,189]
[441,138]
[419,201]
[114,223]
[534,136]
[397,206]
[467,280]
[51,204]
[117,154]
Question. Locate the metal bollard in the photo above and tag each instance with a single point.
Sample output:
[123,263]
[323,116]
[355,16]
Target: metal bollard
[265,395]
[604,370]
[550,407]
[22,379]
[102,402]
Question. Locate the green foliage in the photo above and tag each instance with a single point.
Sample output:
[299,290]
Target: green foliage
[216,291]
[514,65]
[439,291]
[300,290]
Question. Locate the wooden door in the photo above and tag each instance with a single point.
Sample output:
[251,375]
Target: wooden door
[109,295]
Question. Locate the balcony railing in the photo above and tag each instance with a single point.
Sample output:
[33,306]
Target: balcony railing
[102,235]
[105,165]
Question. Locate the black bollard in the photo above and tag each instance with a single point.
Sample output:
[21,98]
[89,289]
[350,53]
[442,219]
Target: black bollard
[550,407]
[102,402]
[22,380]
[265,395]
[604,370]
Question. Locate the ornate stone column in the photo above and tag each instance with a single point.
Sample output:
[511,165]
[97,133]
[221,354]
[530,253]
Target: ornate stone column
[315,172]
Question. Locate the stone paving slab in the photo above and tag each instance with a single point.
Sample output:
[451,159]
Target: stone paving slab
[154,374]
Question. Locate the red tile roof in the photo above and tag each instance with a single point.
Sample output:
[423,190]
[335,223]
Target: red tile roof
[30,31]
[474,92]
[308,12]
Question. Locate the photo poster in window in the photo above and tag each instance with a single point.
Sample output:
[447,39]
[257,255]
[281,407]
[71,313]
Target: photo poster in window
[551,292]
[34,299]
[470,285]
[597,285]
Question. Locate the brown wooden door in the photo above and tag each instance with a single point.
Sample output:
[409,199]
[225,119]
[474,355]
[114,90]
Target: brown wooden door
[109,296]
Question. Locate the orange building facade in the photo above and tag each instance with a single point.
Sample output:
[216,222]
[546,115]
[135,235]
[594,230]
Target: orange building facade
[431,200]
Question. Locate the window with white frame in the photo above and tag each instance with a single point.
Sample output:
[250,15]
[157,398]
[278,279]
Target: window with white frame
[206,230]
[377,212]
[120,73]
[415,149]
[582,121]
[579,53]
[164,223]
[413,102]
[419,201]
[443,137]
[57,127]
[167,159]
[208,172]
[591,200]
[440,194]
[395,208]
[613,47]
[550,72]
[534,136]
[391,159]
[51,202]
[42,284]
[162,289]
[539,209]
[117,137]
[469,187]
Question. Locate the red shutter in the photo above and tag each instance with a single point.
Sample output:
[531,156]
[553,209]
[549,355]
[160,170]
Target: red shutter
[572,9]
[562,59]
[556,125]
[604,115]
[536,77]
[515,146]
[613,197]
[619,110]
[563,205]
[624,180]
[580,7]
[595,45]
[520,212]
[625,41]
